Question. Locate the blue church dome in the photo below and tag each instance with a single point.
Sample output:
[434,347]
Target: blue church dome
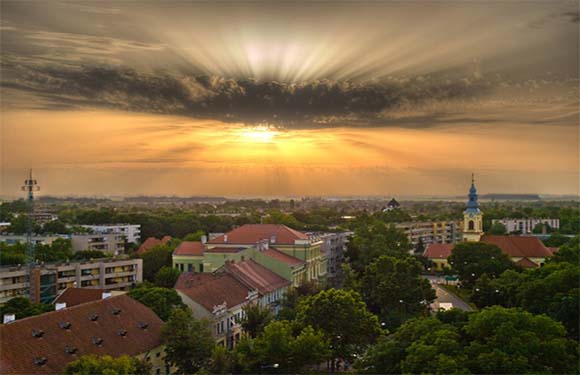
[472,203]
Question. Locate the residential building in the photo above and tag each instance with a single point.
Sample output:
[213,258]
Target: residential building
[334,248]
[151,242]
[37,239]
[219,298]
[132,232]
[271,287]
[50,279]
[526,226]
[75,296]
[472,216]
[42,217]
[429,232]
[189,256]
[116,326]
[281,238]
[110,243]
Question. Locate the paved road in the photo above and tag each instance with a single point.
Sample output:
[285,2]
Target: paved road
[443,296]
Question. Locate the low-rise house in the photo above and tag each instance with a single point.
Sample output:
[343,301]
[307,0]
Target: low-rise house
[151,242]
[271,287]
[525,251]
[188,256]
[116,326]
[219,298]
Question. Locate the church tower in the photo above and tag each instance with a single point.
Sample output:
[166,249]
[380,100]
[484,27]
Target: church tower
[472,216]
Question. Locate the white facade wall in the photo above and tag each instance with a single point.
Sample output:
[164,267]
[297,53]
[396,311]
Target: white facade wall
[526,226]
[131,231]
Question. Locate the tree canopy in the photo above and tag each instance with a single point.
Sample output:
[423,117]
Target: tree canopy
[161,300]
[107,365]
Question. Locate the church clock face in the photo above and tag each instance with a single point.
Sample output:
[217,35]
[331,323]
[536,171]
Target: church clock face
[470,215]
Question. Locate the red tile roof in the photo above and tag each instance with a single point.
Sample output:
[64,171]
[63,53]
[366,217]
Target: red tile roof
[256,276]
[76,296]
[553,249]
[151,242]
[210,290]
[438,250]
[282,257]
[19,347]
[519,246]
[225,249]
[252,233]
[526,263]
[189,248]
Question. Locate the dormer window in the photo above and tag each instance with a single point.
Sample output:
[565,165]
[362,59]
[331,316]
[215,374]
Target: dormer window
[116,311]
[38,333]
[94,317]
[70,349]
[143,325]
[40,361]
[98,341]
[122,333]
[65,325]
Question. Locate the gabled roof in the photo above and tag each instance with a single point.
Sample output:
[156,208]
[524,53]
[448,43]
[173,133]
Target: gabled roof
[256,276]
[438,250]
[210,290]
[519,246]
[122,333]
[249,234]
[76,296]
[151,242]
[526,263]
[189,248]
[282,257]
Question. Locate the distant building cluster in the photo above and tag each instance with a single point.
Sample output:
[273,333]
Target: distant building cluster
[527,226]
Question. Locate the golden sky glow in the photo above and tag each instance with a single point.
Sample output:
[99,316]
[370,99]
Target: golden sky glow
[289,98]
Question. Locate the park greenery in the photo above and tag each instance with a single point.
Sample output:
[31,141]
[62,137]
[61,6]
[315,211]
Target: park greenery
[107,365]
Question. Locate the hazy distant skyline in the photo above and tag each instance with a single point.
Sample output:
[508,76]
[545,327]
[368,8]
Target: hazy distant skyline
[262,99]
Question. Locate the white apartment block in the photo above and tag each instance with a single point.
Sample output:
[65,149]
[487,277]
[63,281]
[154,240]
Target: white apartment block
[431,231]
[50,279]
[526,226]
[131,231]
[37,239]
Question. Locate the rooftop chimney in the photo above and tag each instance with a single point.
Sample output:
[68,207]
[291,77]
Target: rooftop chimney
[203,239]
[9,318]
[60,306]
[106,295]
[225,238]
[273,239]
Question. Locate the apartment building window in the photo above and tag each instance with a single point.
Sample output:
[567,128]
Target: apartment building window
[109,269]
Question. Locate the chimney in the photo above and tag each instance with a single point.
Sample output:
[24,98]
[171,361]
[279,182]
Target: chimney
[273,239]
[59,306]
[106,295]
[9,318]
[225,238]
[203,239]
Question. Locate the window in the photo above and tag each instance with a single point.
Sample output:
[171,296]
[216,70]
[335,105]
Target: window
[471,225]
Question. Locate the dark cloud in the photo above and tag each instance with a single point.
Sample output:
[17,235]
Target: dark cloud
[321,103]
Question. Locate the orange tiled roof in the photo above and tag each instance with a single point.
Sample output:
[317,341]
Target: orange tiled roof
[76,296]
[256,276]
[151,242]
[189,248]
[438,250]
[121,334]
[252,233]
[282,257]
[210,290]
[519,246]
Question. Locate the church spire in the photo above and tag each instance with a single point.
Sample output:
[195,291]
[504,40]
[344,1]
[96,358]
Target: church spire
[472,203]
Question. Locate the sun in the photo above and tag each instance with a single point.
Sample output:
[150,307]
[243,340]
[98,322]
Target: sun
[258,134]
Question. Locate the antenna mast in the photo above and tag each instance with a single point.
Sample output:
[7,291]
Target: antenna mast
[30,186]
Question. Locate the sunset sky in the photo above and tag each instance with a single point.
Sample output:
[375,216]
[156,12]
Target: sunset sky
[259,99]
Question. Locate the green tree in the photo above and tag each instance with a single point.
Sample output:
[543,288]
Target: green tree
[22,307]
[166,277]
[189,343]
[221,361]
[55,226]
[556,240]
[569,252]
[106,365]
[374,239]
[161,300]
[394,289]
[155,259]
[497,228]
[470,260]
[343,318]
[89,254]
[194,236]
[511,341]
[255,318]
